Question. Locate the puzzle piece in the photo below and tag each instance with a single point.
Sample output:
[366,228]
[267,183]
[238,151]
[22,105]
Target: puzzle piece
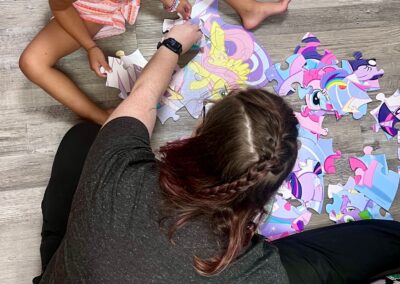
[374,179]
[319,150]
[125,71]
[167,109]
[387,114]
[203,9]
[311,122]
[326,86]
[364,72]
[343,94]
[286,78]
[168,24]
[305,184]
[230,58]
[309,51]
[350,205]
[284,220]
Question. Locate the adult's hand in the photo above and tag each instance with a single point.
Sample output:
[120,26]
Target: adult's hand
[97,60]
[155,77]
[186,34]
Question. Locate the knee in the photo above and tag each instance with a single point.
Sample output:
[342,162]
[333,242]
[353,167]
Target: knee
[30,65]
[84,128]
[81,134]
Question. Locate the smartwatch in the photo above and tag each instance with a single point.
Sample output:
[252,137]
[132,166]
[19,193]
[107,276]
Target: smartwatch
[171,44]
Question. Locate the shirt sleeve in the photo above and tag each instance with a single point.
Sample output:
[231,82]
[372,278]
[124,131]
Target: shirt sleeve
[122,141]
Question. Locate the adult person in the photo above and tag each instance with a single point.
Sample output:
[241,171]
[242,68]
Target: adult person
[191,217]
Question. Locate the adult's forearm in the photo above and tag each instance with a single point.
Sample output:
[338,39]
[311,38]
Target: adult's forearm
[158,72]
[151,85]
[69,19]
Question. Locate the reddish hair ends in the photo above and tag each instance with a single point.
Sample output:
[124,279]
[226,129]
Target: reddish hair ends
[240,155]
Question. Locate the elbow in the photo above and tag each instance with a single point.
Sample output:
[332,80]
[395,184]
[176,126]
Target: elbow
[59,5]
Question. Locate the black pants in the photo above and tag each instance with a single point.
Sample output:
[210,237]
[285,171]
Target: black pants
[348,253]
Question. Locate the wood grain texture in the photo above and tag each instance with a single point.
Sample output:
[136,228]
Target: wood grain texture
[32,123]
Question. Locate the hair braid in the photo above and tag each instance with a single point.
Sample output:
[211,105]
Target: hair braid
[253,176]
[245,148]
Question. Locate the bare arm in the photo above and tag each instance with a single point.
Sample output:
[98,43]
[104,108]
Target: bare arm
[184,8]
[155,78]
[70,21]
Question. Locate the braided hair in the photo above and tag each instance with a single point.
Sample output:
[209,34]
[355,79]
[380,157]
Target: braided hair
[238,158]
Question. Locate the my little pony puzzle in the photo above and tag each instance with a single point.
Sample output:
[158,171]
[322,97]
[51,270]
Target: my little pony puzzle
[229,57]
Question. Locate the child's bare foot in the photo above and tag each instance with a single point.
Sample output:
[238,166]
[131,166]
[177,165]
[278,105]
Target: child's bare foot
[259,11]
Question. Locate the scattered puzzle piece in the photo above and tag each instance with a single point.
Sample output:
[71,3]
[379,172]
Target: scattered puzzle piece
[374,179]
[319,150]
[284,220]
[364,72]
[306,184]
[350,205]
[323,83]
[387,114]
[286,78]
[125,71]
[309,51]
[311,122]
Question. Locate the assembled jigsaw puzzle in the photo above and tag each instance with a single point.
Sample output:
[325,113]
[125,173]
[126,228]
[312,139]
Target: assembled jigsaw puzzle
[229,58]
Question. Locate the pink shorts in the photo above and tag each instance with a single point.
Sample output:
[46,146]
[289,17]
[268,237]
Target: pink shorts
[112,14]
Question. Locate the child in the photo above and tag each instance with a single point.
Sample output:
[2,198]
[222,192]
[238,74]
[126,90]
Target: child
[78,24]
[253,13]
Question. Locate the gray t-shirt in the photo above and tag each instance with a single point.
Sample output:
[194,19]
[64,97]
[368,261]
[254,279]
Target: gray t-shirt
[113,233]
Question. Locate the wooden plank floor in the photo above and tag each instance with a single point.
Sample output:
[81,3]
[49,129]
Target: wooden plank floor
[32,124]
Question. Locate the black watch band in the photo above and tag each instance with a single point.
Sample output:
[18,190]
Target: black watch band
[171,44]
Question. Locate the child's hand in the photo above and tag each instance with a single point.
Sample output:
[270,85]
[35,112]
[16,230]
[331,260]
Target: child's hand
[184,9]
[97,60]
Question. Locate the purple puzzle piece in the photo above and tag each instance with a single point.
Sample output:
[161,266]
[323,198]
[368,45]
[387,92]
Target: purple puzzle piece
[284,220]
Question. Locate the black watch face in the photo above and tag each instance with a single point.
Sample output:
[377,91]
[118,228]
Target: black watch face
[172,41]
[174,45]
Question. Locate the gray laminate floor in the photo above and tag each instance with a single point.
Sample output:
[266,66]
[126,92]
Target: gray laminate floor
[32,123]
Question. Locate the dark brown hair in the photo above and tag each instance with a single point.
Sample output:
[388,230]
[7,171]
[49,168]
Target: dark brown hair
[240,155]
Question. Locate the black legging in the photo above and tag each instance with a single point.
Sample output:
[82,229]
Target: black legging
[348,253]
[65,174]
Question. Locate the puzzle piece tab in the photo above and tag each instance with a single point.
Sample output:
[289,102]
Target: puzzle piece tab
[387,114]
[374,179]
[284,220]
[350,205]
[323,83]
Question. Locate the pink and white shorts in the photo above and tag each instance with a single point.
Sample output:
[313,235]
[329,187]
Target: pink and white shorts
[112,14]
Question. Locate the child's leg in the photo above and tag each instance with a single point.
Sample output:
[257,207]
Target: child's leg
[253,12]
[65,174]
[355,252]
[38,60]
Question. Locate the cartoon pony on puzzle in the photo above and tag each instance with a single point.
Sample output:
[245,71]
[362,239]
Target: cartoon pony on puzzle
[229,58]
